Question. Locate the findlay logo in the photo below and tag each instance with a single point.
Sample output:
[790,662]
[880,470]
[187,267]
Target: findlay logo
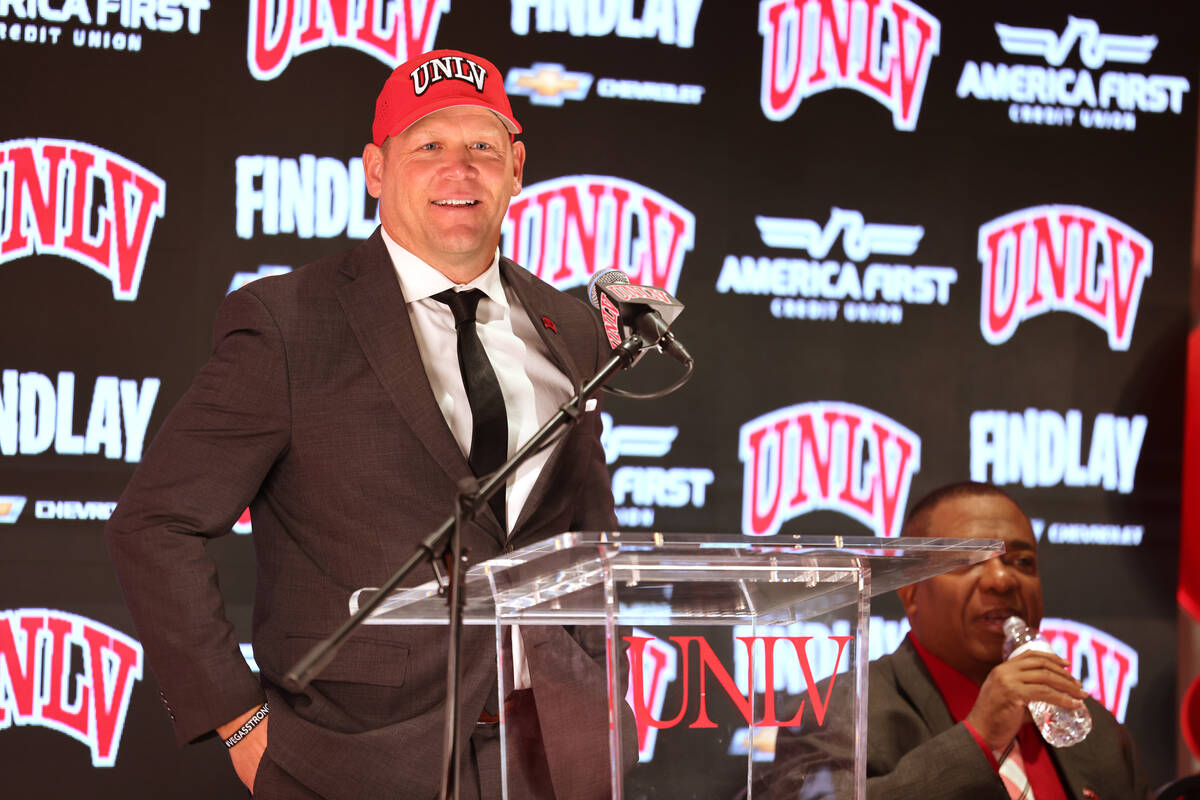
[826,455]
[1042,447]
[391,31]
[67,673]
[672,22]
[307,196]
[80,202]
[37,413]
[436,70]
[812,46]
[1107,666]
[1058,95]
[1062,258]
[821,288]
[119,23]
[566,229]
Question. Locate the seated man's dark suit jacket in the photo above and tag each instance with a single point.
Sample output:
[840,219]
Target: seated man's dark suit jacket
[915,750]
[315,411]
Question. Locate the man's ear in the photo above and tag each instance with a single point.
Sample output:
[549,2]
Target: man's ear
[372,160]
[518,151]
[908,596]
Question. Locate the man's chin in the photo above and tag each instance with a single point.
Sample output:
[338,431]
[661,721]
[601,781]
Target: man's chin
[988,653]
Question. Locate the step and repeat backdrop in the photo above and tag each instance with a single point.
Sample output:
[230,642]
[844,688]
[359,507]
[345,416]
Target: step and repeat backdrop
[918,242]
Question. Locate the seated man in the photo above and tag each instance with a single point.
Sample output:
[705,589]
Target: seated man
[947,715]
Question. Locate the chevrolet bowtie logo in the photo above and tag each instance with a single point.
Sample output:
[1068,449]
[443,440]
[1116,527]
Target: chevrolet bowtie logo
[548,84]
[10,508]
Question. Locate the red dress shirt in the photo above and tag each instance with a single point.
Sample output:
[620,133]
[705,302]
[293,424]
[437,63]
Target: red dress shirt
[960,693]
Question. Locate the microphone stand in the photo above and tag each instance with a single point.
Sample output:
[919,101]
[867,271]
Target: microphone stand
[447,538]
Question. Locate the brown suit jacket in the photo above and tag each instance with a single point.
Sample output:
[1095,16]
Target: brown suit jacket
[915,750]
[315,411]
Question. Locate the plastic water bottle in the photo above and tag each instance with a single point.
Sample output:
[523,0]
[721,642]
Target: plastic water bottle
[1060,727]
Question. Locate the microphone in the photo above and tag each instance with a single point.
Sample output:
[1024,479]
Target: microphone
[628,308]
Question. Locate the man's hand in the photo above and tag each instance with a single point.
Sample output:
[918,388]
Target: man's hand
[247,753]
[1001,708]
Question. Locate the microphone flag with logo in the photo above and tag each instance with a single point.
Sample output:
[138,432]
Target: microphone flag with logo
[627,308]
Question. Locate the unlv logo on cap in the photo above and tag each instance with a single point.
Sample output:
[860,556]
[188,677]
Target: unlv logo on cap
[390,30]
[50,206]
[439,69]
[567,229]
[826,455]
[812,46]
[67,673]
[1061,258]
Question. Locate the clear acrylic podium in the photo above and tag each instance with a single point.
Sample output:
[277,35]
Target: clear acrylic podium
[715,640]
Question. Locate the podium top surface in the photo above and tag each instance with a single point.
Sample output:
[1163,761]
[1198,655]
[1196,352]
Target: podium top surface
[673,578]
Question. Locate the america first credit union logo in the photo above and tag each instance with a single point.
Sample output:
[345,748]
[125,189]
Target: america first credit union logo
[826,455]
[68,673]
[566,229]
[82,202]
[1062,258]
[1097,95]
[820,288]
[639,489]
[882,48]
[392,31]
[97,24]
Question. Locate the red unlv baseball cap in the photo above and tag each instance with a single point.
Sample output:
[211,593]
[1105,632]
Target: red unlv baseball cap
[436,80]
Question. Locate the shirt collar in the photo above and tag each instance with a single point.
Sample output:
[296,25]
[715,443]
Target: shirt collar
[959,691]
[419,280]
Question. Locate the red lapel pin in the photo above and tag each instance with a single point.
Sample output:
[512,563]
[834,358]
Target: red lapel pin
[1089,794]
[549,323]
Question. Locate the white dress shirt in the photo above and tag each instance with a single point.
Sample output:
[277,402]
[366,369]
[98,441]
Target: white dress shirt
[532,384]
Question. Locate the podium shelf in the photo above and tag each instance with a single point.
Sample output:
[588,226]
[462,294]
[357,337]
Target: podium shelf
[681,579]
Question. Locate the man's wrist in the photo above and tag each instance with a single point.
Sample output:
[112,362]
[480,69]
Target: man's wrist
[248,725]
[983,745]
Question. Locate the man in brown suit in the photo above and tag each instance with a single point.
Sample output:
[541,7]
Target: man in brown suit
[334,406]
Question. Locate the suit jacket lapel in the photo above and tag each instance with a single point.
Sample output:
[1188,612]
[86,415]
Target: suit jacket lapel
[1073,778]
[523,284]
[920,688]
[375,309]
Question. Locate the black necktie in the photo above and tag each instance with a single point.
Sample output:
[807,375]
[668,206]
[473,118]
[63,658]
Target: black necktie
[489,420]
